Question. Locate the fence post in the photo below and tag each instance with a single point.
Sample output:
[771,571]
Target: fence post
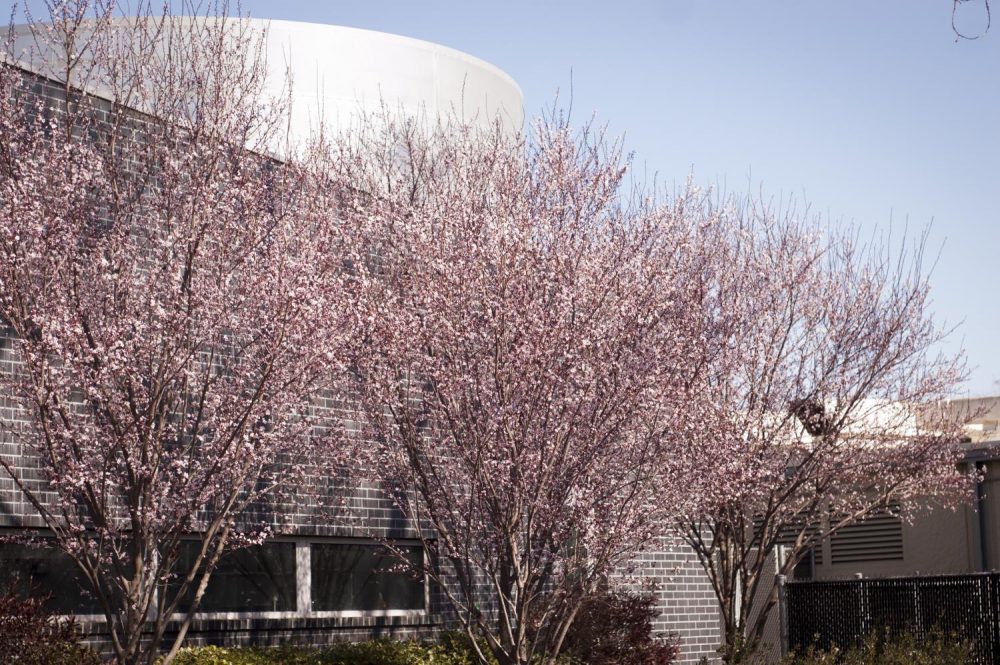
[782,613]
[864,619]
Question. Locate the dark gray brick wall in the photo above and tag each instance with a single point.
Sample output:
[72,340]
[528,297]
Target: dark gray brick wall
[279,632]
[686,602]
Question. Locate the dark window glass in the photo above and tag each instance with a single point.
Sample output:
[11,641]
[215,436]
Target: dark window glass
[252,579]
[364,577]
[46,571]
[805,569]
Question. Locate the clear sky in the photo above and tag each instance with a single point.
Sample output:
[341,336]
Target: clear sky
[870,111]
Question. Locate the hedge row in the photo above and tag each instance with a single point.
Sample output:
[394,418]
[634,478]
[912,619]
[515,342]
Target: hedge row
[451,649]
[881,649]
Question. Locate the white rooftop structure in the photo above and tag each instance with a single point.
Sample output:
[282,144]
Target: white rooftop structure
[338,72]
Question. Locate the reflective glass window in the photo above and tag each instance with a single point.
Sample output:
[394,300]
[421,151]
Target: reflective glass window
[365,577]
[252,579]
[47,571]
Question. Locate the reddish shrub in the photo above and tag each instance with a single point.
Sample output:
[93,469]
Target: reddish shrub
[31,635]
[617,629]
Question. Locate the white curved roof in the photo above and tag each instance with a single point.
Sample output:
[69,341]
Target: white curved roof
[337,71]
[347,68]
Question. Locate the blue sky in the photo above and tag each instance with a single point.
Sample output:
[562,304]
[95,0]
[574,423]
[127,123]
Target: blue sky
[869,111]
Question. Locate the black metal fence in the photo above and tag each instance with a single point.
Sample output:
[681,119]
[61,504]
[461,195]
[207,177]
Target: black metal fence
[846,612]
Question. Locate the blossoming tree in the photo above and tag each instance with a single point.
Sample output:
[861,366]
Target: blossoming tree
[823,371]
[171,300]
[523,336]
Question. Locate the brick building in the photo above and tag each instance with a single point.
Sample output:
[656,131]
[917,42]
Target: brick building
[329,579]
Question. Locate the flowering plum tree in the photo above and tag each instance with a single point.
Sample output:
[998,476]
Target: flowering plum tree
[524,352]
[172,297]
[823,371]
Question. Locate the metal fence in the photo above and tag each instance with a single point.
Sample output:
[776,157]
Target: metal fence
[846,612]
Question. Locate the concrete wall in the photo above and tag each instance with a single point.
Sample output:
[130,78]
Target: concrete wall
[937,540]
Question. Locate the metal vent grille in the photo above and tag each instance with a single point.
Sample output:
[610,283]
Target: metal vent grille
[790,532]
[879,537]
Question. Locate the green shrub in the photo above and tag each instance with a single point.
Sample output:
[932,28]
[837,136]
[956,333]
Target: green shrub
[451,650]
[386,652]
[881,649]
[246,656]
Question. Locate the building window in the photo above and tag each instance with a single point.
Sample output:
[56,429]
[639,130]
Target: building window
[805,569]
[365,577]
[260,578]
[286,577]
[45,571]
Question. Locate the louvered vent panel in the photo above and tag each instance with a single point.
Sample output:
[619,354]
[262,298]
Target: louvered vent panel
[789,533]
[877,538]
